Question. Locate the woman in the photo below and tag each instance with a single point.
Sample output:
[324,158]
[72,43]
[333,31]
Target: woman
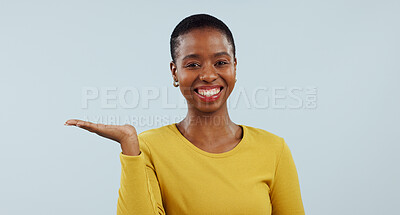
[205,164]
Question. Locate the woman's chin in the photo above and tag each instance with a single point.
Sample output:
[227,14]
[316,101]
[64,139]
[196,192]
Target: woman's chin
[208,107]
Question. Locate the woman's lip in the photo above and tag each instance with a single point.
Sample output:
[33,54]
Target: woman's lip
[209,98]
[208,87]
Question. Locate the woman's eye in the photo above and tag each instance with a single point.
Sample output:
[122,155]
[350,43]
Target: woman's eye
[192,65]
[220,63]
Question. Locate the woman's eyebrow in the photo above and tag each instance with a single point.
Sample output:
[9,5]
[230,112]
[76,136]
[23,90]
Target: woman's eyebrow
[198,56]
[221,53]
[191,56]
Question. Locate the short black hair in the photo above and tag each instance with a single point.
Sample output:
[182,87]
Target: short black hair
[195,22]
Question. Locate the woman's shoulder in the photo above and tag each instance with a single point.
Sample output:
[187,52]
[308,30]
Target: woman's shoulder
[260,135]
[156,133]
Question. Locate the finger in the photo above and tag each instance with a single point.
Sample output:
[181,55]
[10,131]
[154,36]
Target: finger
[98,128]
[72,122]
[82,124]
[92,127]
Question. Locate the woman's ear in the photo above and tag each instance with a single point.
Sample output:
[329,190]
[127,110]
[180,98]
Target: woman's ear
[234,64]
[173,69]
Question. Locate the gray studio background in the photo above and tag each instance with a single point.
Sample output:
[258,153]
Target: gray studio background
[343,133]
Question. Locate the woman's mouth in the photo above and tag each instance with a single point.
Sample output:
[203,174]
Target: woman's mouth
[208,93]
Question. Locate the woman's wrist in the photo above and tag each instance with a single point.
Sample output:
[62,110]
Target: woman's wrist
[130,149]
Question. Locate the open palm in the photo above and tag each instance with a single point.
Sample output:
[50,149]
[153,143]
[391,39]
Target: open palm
[124,134]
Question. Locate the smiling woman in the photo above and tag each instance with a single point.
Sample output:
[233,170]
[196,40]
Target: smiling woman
[204,164]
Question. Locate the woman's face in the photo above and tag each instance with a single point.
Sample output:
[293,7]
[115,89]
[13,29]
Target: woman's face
[205,68]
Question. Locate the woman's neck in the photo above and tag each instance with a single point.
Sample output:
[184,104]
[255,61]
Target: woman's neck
[206,128]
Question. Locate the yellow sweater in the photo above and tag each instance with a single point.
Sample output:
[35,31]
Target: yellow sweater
[173,176]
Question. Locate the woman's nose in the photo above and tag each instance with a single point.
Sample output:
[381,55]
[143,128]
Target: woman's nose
[208,74]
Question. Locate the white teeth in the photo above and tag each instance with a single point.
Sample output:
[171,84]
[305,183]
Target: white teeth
[209,93]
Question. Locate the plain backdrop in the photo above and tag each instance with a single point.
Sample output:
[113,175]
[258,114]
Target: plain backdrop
[74,59]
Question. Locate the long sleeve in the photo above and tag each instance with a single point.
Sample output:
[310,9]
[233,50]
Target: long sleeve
[139,192]
[285,189]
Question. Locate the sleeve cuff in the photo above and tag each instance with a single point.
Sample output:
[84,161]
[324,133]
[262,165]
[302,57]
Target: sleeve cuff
[123,156]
